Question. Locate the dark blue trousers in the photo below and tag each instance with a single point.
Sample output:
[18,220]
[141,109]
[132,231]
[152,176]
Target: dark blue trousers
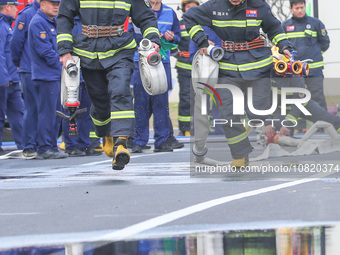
[146,105]
[29,130]
[48,123]
[12,105]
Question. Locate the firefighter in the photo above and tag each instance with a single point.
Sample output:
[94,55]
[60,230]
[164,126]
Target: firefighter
[158,105]
[11,103]
[246,62]
[22,60]
[309,37]
[106,54]
[46,72]
[183,67]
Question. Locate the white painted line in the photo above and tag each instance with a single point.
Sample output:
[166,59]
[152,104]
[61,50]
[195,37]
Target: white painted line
[169,217]
[19,214]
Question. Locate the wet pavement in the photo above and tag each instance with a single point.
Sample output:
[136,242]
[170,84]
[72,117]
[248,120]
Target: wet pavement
[156,206]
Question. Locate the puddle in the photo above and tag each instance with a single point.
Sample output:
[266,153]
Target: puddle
[315,240]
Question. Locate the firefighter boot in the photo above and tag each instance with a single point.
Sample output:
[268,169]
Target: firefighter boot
[108,146]
[240,162]
[121,154]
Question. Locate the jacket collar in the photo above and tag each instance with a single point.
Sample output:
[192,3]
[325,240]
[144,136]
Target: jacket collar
[300,19]
[6,18]
[36,5]
[45,17]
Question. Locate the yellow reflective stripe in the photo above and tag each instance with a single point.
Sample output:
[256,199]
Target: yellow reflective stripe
[229,23]
[150,30]
[184,34]
[123,5]
[253,23]
[183,65]
[110,53]
[97,4]
[312,33]
[316,65]
[338,130]
[123,115]
[230,67]
[246,67]
[302,34]
[64,37]
[237,139]
[184,118]
[279,92]
[279,38]
[100,123]
[102,55]
[194,30]
[93,135]
[256,65]
[291,118]
[84,53]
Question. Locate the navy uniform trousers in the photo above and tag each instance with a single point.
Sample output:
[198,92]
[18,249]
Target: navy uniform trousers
[12,105]
[146,105]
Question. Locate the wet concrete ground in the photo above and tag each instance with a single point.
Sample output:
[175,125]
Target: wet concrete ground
[82,200]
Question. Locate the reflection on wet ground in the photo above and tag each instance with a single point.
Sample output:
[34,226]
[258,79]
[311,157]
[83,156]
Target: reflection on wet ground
[319,240]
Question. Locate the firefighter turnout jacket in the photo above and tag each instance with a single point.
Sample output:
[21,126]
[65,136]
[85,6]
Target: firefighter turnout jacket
[183,63]
[309,36]
[239,27]
[103,41]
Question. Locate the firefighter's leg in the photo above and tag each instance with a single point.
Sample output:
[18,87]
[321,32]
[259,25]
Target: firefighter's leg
[236,134]
[97,86]
[122,112]
[315,86]
[184,117]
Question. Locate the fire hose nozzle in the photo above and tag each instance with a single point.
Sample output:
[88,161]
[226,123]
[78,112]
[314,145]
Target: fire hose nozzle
[280,67]
[71,69]
[216,53]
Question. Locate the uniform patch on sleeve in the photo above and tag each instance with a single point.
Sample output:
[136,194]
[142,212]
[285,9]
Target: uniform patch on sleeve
[290,28]
[182,27]
[323,32]
[21,25]
[251,13]
[147,3]
[43,34]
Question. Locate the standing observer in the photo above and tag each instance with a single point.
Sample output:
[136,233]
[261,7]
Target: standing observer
[22,59]
[46,72]
[11,103]
[247,61]
[309,37]
[106,53]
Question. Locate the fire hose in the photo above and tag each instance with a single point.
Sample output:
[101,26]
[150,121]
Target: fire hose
[283,66]
[151,68]
[204,70]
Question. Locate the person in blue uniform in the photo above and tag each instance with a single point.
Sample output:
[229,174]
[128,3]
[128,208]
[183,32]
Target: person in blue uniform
[46,74]
[106,55]
[158,105]
[309,37]
[22,60]
[11,103]
[80,145]
[247,62]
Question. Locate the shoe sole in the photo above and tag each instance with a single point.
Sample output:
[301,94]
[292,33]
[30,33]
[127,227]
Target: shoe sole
[122,158]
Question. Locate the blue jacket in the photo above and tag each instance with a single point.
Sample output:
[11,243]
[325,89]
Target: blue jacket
[19,45]
[8,72]
[238,24]
[212,37]
[42,41]
[309,37]
[167,20]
